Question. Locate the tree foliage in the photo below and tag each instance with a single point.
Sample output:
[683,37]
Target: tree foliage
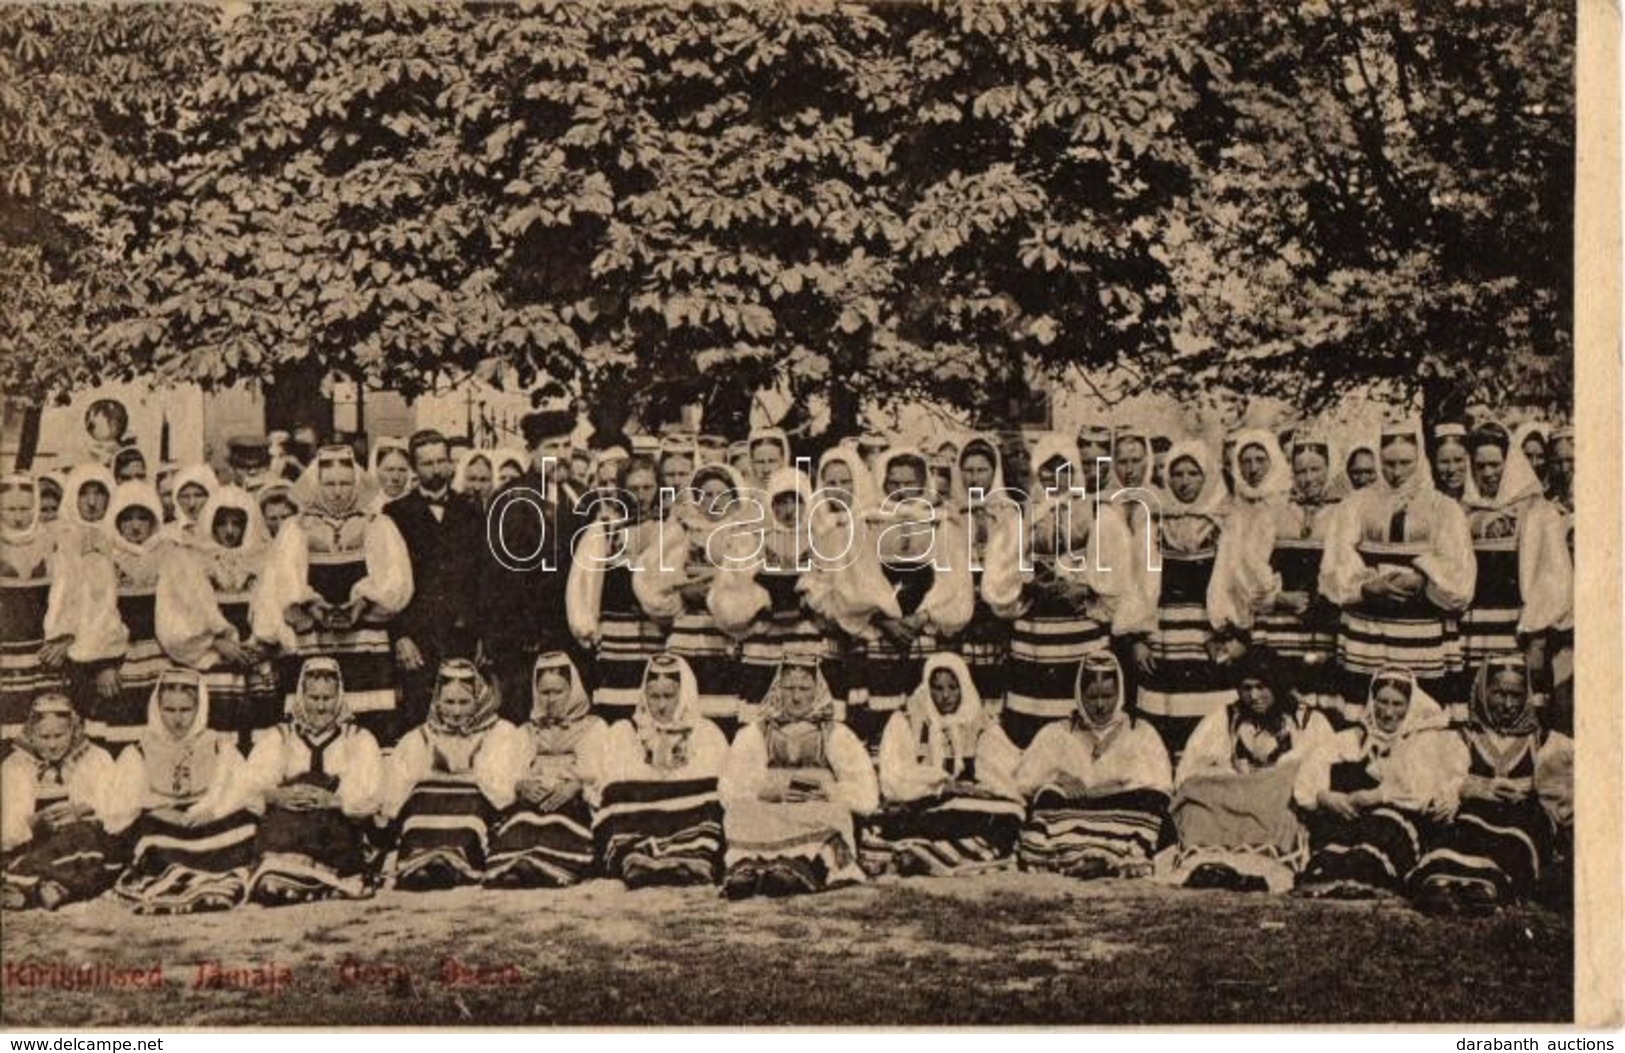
[879,202]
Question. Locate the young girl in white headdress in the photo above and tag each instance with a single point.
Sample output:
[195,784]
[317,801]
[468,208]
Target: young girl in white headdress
[192,487]
[316,781]
[949,802]
[658,819]
[54,848]
[796,784]
[192,846]
[544,839]
[139,552]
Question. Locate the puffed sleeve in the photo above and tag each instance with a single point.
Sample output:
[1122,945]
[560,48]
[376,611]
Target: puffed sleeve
[1209,750]
[1554,778]
[1343,574]
[1044,756]
[1149,768]
[217,799]
[1426,769]
[128,796]
[16,801]
[1450,567]
[735,598]
[902,778]
[1004,579]
[584,590]
[951,600]
[285,581]
[996,761]
[92,779]
[589,760]
[1545,571]
[744,774]
[388,584]
[711,751]
[851,591]
[409,763]
[1243,582]
[660,572]
[493,763]
[261,773]
[855,785]
[361,788]
[1315,773]
[186,616]
[82,602]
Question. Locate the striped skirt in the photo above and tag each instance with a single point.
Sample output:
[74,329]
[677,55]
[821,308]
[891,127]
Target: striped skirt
[188,869]
[244,701]
[985,647]
[444,833]
[1489,625]
[714,657]
[1371,853]
[308,856]
[81,857]
[959,834]
[1042,672]
[532,849]
[660,833]
[1369,641]
[1121,830]
[22,634]
[786,848]
[626,643]
[118,721]
[1501,847]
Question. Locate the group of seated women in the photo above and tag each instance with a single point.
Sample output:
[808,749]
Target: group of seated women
[1268,795]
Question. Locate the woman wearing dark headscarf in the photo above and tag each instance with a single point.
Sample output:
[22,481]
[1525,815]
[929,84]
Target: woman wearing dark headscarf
[1505,785]
[335,578]
[947,781]
[1365,791]
[53,846]
[544,839]
[659,817]
[1098,784]
[1233,787]
[795,784]
[316,781]
[192,846]
[444,783]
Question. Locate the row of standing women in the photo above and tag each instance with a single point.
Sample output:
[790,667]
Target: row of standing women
[1266,796]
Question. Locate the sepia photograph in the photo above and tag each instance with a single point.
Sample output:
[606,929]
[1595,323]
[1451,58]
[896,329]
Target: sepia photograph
[923,513]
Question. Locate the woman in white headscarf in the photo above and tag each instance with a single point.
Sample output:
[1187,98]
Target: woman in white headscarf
[658,819]
[446,782]
[1364,790]
[1098,784]
[334,579]
[1179,647]
[1399,564]
[54,848]
[1505,789]
[1524,591]
[316,781]
[192,847]
[947,782]
[1067,579]
[985,641]
[202,615]
[544,839]
[475,476]
[192,486]
[673,583]
[138,551]
[796,783]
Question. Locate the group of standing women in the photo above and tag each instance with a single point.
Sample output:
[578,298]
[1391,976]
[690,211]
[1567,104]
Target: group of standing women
[1103,655]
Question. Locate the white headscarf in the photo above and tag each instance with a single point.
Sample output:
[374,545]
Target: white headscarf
[1277,482]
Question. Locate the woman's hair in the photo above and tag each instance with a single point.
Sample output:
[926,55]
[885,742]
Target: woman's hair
[1490,434]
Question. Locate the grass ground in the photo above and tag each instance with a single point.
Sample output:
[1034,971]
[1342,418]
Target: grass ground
[1003,949]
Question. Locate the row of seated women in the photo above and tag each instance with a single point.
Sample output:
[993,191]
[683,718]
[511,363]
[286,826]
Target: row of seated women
[1267,796]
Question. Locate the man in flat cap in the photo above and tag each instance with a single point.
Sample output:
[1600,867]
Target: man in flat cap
[249,457]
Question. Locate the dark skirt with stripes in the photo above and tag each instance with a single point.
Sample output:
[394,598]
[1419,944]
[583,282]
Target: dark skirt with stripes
[1489,626]
[444,834]
[118,721]
[1498,846]
[178,869]
[1310,637]
[1047,645]
[532,849]
[1409,634]
[965,833]
[660,833]
[306,856]
[1122,831]
[714,657]
[1185,684]
[627,640]
[22,634]
[81,858]
[1372,853]
[985,646]
[365,653]
[243,701]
